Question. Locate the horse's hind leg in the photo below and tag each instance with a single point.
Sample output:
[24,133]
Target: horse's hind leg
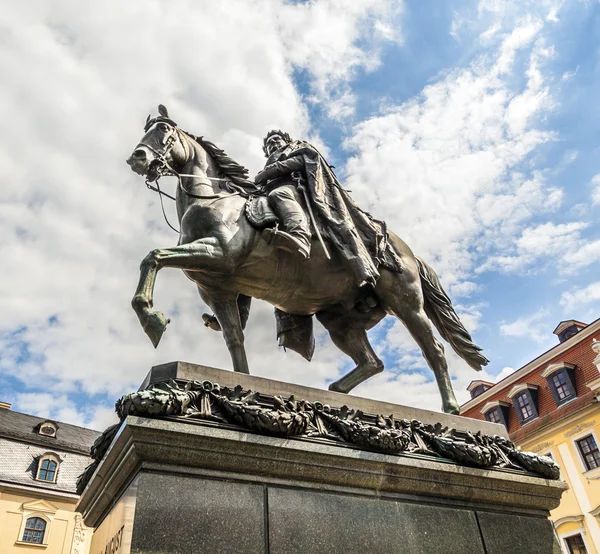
[351,338]
[408,307]
[227,313]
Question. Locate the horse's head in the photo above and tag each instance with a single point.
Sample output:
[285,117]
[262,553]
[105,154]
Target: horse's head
[162,147]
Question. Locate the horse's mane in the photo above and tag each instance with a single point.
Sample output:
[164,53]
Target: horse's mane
[229,167]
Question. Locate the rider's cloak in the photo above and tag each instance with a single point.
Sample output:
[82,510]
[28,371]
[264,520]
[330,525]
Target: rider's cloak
[360,240]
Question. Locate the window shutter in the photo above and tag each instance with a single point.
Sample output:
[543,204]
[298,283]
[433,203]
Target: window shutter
[533,398]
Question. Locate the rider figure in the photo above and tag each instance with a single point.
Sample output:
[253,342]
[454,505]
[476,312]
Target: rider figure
[284,196]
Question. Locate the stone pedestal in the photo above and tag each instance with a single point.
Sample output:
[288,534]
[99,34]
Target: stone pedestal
[186,485]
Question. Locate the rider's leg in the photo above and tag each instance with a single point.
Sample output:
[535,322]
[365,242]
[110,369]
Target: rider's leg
[295,237]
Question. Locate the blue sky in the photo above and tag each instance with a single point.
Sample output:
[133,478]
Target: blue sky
[470,127]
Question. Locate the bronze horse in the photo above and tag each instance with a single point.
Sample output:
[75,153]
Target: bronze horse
[227,258]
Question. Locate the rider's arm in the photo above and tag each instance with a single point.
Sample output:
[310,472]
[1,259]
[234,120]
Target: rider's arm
[279,169]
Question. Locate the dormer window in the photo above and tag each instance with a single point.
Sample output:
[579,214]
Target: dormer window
[566,329]
[496,411]
[48,429]
[525,399]
[478,387]
[561,379]
[48,468]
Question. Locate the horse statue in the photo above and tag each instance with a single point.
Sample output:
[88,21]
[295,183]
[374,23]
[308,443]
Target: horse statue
[230,261]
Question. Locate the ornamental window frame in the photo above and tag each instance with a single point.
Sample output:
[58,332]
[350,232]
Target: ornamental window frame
[582,459]
[49,457]
[47,428]
[567,372]
[564,536]
[530,394]
[41,509]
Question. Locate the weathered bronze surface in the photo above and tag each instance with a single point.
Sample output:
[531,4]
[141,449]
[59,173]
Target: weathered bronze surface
[300,419]
[324,256]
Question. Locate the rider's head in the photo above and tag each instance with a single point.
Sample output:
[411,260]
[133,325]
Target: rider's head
[275,140]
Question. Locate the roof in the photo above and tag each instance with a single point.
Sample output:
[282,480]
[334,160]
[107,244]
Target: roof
[16,425]
[478,382]
[19,464]
[533,365]
[567,323]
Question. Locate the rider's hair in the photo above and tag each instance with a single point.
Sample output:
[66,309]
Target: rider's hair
[272,132]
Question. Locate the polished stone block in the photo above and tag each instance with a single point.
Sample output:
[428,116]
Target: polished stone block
[183,514]
[307,521]
[512,533]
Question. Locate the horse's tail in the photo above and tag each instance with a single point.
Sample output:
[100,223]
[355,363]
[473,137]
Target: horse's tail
[438,307]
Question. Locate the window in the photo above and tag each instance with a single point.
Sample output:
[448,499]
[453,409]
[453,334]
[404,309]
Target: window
[575,544]
[524,397]
[478,390]
[48,429]
[561,380]
[496,411]
[524,406]
[562,387]
[494,416]
[48,468]
[589,452]
[35,528]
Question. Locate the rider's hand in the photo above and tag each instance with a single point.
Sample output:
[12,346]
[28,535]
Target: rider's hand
[261,177]
[269,172]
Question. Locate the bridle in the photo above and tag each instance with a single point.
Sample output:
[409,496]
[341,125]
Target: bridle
[163,169]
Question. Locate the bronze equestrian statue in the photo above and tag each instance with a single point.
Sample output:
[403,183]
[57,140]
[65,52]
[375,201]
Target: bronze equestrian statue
[296,239]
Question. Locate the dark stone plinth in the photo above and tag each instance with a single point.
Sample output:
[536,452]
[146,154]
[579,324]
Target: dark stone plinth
[183,513]
[183,485]
[339,524]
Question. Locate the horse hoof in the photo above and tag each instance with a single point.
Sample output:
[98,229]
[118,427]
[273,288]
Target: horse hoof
[336,387]
[451,408]
[155,326]
[211,322]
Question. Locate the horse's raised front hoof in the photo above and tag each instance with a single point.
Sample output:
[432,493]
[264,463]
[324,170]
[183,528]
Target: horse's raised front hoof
[451,407]
[337,387]
[155,326]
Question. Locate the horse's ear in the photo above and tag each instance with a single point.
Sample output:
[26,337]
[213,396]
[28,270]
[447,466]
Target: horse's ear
[163,111]
[147,119]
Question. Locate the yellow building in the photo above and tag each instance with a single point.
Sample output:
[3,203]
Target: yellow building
[40,461]
[551,406]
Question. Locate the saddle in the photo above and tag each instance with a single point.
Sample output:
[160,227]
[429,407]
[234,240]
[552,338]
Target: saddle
[259,212]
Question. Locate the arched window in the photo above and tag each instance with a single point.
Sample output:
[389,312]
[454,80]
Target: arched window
[48,468]
[35,529]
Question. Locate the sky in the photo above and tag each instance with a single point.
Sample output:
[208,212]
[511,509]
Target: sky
[470,127]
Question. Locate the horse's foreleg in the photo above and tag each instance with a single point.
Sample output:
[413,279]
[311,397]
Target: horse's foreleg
[200,254]
[228,315]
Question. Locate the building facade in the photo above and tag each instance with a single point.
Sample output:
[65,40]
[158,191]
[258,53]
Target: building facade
[551,406]
[40,461]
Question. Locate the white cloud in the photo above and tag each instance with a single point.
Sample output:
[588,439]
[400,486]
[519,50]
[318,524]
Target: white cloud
[532,327]
[440,167]
[580,297]
[76,221]
[559,244]
[321,37]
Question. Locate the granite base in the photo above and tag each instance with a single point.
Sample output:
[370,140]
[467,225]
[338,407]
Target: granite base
[176,485]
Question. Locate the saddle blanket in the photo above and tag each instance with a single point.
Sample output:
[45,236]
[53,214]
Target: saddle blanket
[259,212]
